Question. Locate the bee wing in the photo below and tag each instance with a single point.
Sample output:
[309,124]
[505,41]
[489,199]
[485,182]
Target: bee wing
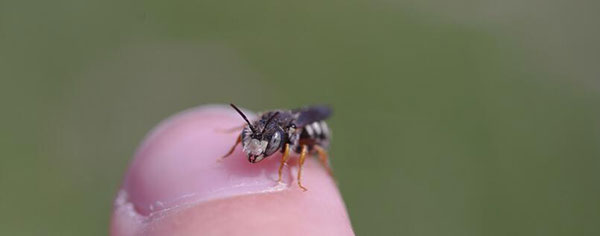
[311,114]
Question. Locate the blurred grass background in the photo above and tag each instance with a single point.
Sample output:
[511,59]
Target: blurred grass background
[452,117]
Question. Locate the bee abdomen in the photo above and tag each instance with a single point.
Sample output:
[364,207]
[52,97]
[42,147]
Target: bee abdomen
[318,131]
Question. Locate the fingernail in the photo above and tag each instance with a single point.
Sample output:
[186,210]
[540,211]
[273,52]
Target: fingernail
[178,163]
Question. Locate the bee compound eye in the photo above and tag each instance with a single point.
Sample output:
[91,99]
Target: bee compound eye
[273,143]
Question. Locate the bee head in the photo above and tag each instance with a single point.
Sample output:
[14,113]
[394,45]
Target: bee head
[259,144]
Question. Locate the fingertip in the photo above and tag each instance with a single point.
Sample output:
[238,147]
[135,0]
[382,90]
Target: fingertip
[177,167]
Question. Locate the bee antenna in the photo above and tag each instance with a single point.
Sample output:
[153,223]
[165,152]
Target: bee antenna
[269,121]
[244,116]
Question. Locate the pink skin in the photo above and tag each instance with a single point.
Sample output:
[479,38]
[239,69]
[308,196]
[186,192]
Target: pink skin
[176,186]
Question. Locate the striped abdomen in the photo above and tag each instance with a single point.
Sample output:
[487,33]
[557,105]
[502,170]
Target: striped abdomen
[316,133]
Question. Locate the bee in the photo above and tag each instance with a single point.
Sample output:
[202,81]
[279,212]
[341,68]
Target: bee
[302,131]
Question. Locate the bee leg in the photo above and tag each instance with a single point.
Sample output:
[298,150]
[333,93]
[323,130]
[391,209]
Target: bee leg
[301,162]
[324,158]
[284,158]
[238,141]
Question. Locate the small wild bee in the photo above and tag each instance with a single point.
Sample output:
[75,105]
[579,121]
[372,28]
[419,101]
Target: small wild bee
[301,130]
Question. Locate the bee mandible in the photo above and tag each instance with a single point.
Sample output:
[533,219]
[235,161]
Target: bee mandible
[302,131]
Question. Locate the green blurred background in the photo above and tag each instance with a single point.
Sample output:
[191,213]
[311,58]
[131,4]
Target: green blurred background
[451,117]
